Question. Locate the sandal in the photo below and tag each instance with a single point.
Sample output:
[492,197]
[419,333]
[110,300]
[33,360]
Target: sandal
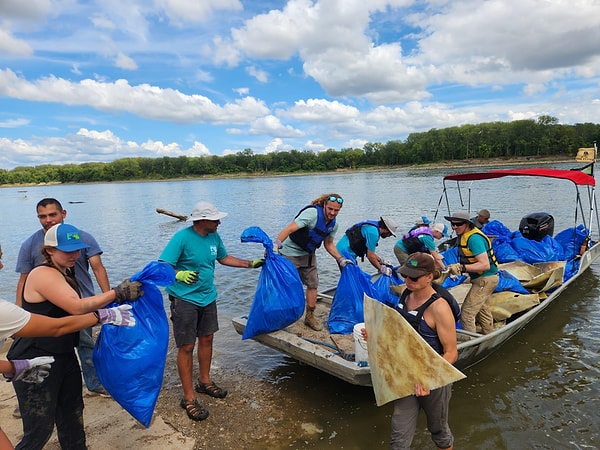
[211,389]
[193,409]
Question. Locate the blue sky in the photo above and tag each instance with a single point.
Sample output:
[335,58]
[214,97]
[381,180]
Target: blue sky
[101,80]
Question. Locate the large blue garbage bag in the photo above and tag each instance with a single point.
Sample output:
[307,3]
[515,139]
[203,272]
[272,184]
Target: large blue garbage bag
[495,228]
[503,250]
[279,298]
[130,362]
[508,282]
[530,251]
[347,306]
[571,240]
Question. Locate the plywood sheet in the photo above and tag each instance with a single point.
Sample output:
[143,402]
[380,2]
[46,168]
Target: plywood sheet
[399,357]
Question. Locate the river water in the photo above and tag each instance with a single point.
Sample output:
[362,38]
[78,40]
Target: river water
[540,390]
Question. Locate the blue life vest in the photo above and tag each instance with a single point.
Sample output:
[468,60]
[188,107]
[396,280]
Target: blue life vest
[311,239]
[357,241]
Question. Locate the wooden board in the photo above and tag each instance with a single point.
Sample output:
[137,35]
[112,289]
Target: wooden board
[399,357]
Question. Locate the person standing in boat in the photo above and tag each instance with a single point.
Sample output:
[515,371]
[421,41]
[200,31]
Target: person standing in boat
[314,225]
[481,219]
[361,240]
[421,239]
[476,258]
[193,252]
[432,311]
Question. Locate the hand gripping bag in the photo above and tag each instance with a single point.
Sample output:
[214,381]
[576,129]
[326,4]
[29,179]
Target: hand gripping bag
[130,362]
[279,298]
[382,288]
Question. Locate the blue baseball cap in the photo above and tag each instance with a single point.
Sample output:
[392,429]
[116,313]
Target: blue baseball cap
[64,237]
[441,227]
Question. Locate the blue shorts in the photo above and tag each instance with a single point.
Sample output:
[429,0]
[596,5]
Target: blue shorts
[191,321]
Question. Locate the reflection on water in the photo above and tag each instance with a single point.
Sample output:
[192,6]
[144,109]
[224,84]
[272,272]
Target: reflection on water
[539,391]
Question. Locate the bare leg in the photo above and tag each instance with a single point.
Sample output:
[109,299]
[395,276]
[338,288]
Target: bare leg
[205,348]
[185,367]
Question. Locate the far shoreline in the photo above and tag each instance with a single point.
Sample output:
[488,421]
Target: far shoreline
[454,164]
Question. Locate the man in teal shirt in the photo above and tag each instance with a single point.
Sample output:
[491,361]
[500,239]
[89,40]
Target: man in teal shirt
[193,252]
[362,239]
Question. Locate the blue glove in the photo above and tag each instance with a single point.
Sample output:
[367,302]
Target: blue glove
[120,316]
[343,262]
[31,370]
[187,276]
[385,270]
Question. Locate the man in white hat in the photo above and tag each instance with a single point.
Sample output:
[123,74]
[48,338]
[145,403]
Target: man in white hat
[193,252]
[361,240]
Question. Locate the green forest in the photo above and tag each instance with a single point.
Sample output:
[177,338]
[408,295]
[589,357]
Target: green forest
[521,138]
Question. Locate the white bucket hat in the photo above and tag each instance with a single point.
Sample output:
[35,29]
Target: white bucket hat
[206,211]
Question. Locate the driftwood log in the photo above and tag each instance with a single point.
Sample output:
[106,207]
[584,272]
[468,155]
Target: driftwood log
[171,213]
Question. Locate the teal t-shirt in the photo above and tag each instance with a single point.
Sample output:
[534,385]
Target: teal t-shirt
[307,218]
[478,245]
[189,250]
[371,235]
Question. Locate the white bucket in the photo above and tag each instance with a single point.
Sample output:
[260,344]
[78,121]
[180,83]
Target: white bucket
[361,353]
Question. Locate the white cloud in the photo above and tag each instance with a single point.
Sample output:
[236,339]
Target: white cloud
[277,145]
[125,62]
[12,46]
[13,123]
[272,126]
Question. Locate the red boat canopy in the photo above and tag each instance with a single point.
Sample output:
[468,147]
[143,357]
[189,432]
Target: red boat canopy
[576,176]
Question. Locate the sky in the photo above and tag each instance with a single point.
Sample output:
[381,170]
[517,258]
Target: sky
[99,80]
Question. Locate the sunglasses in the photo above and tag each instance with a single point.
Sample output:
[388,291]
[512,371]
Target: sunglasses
[333,198]
[457,224]
[414,279]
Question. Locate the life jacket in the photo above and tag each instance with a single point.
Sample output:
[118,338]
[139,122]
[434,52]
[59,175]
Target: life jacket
[357,241]
[311,239]
[465,255]
[411,240]
[415,318]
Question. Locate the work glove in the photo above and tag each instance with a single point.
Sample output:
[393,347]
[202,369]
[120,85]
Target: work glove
[455,269]
[385,270]
[277,245]
[259,262]
[343,262]
[187,276]
[120,316]
[128,291]
[31,370]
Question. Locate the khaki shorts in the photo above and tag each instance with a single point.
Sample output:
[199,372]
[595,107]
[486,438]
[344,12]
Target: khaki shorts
[307,269]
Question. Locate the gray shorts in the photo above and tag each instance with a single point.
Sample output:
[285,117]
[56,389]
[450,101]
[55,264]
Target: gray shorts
[191,321]
[307,269]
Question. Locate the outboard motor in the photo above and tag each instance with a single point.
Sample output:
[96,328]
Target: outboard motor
[535,226]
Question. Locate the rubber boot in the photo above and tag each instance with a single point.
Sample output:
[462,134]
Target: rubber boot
[311,321]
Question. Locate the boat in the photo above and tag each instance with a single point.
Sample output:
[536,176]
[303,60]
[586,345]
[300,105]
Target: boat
[544,281]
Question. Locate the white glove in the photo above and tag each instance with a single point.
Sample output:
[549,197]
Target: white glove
[31,370]
[343,262]
[385,270]
[277,245]
[120,316]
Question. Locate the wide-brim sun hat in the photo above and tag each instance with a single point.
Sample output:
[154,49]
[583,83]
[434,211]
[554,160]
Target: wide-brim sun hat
[206,211]
[390,225]
[65,238]
[459,216]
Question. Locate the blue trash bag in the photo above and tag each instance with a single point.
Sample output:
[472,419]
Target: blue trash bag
[530,251]
[452,281]
[347,306]
[503,250]
[508,282]
[382,289]
[130,362]
[495,228]
[279,298]
[571,240]
[450,256]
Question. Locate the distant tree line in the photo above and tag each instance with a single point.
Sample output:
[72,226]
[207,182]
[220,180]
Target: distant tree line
[521,138]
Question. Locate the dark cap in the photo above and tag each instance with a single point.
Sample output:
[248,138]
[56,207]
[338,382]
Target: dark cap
[418,264]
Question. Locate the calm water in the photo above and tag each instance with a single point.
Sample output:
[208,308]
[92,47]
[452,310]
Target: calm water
[539,391]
